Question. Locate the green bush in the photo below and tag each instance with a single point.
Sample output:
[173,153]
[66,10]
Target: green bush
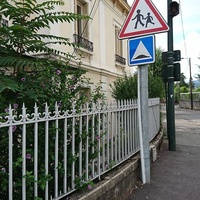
[156,87]
[126,87]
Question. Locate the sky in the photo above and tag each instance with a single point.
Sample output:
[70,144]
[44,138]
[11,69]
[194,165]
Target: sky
[186,33]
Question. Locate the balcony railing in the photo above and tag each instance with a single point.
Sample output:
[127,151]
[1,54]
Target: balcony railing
[84,43]
[120,59]
[3,22]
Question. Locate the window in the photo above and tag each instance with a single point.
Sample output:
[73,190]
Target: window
[118,43]
[79,22]
[118,48]
[84,93]
[81,34]
[81,25]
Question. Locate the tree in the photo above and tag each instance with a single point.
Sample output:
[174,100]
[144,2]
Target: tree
[182,80]
[155,69]
[25,78]
[178,86]
[126,87]
[156,85]
[22,75]
[198,75]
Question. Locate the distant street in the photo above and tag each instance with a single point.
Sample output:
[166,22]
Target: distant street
[175,175]
[187,123]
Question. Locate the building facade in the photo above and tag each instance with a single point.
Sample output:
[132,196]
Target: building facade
[102,54]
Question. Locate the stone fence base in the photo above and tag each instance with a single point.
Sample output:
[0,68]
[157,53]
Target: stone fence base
[118,184]
[187,104]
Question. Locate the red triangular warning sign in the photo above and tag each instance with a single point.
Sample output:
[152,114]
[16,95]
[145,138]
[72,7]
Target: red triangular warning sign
[143,19]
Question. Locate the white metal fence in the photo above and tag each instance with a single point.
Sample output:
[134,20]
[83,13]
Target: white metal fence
[47,155]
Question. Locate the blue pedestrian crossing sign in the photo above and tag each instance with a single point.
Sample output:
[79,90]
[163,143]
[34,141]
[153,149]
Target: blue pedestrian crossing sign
[141,50]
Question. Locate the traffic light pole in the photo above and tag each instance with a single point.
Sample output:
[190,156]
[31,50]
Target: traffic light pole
[170,99]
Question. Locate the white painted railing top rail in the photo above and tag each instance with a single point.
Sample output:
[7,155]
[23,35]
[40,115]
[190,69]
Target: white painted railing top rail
[49,154]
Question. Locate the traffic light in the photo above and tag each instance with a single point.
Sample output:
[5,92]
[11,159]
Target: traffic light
[173,9]
[164,73]
[177,70]
[176,56]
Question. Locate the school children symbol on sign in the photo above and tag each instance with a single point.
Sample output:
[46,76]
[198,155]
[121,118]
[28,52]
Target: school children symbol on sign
[143,19]
[139,17]
[141,50]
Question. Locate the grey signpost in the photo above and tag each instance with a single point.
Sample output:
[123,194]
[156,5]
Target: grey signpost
[141,51]
[144,121]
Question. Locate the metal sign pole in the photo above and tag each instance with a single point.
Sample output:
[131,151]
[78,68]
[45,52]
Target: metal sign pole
[141,52]
[144,121]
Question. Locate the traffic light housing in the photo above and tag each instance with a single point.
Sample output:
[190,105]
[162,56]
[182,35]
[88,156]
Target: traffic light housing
[173,9]
[164,73]
[177,72]
[177,69]
[176,56]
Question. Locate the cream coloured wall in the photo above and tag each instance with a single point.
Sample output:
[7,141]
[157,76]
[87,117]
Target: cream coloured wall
[101,64]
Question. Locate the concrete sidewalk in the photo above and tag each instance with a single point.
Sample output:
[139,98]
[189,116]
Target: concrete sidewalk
[176,174]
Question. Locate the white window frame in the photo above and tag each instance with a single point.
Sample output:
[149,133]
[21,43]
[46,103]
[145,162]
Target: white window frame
[118,42]
[81,27]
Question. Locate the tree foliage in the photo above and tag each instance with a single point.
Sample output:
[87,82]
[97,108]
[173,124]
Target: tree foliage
[45,78]
[126,87]
[23,38]
[180,87]
[156,85]
[28,17]
[28,78]
[182,80]
[197,76]
[155,69]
